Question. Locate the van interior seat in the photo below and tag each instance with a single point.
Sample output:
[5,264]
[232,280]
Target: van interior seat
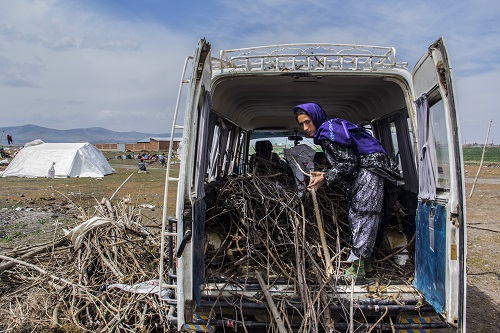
[264,160]
[264,150]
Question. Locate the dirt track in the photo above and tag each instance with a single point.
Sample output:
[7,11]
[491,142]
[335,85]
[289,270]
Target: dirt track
[483,246]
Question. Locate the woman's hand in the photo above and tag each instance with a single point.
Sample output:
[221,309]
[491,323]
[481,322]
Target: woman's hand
[317,180]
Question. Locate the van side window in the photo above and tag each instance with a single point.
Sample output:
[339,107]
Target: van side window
[396,135]
[214,147]
[239,154]
[434,159]
[225,150]
[438,120]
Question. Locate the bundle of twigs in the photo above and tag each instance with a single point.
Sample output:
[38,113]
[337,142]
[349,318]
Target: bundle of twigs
[73,284]
[257,228]
[258,224]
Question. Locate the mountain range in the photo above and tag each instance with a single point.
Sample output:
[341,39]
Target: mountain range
[26,133]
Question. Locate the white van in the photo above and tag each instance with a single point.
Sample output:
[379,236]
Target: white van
[230,265]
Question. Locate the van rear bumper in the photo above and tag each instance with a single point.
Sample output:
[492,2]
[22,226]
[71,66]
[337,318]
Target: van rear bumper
[382,315]
[228,305]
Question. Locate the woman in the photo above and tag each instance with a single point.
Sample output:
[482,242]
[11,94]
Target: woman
[359,159]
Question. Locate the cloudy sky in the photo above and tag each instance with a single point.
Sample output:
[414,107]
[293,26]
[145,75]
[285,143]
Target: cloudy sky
[117,63]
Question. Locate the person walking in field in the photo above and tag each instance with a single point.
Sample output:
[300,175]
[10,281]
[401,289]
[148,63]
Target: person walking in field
[162,160]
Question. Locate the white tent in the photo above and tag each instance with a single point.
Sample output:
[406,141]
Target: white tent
[71,160]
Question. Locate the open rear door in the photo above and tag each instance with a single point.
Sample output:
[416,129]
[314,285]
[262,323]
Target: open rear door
[440,248]
[190,210]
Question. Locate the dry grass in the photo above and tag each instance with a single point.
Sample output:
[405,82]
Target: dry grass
[59,198]
[57,287]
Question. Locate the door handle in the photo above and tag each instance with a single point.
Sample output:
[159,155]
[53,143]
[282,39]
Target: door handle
[182,245]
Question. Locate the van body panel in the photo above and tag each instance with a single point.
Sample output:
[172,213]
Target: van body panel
[188,227]
[430,265]
[249,94]
[441,219]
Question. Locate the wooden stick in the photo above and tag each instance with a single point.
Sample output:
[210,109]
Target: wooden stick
[7,263]
[379,320]
[55,315]
[270,303]
[298,263]
[392,325]
[324,300]
[324,245]
[40,270]
[482,160]
[277,262]
[119,187]
[351,307]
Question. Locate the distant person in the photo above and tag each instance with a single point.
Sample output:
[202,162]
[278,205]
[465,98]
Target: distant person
[9,139]
[142,167]
[52,171]
[162,160]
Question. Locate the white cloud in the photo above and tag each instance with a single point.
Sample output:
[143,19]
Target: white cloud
[477,105]
[470,29]
[66,68]
[67,64]
[19,74]
[11,34]
[63,43]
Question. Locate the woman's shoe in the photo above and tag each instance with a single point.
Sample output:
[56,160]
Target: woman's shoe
[356,270]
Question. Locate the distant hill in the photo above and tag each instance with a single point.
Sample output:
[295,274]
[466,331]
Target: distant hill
[26,133]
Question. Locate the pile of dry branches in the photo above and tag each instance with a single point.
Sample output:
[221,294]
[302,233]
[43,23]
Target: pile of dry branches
[258,226]
[255,227]
[72,284]
[257,223]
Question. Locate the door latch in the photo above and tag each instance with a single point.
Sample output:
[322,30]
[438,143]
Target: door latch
[182,245]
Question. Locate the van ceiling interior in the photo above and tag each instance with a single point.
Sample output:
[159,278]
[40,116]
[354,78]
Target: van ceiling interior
[266,102]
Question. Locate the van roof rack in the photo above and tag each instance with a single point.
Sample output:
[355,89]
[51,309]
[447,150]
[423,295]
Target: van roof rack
[307,57]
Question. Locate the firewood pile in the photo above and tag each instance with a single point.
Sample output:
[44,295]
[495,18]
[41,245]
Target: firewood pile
[258,223]
[76,283]
[258,226]
[101,276]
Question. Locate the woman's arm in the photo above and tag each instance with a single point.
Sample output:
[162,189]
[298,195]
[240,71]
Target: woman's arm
[342,159]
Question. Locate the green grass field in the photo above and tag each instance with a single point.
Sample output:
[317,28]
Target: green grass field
[473,154]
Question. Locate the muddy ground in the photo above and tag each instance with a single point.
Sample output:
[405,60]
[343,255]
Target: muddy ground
[37,210]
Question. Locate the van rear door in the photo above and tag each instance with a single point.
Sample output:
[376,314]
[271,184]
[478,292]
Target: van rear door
[440,247]
[190,210]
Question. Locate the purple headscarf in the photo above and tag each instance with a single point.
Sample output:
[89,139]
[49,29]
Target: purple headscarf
[340,131]
[316,112]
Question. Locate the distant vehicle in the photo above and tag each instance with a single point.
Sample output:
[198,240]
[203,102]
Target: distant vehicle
[248,94]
